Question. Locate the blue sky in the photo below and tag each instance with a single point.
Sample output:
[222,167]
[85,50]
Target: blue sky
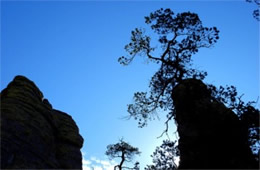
[70,50]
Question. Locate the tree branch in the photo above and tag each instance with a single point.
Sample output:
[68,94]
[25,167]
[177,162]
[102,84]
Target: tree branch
[167,126]
[169,45]
[148,50]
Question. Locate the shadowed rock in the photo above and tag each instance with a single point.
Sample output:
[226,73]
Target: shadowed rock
[33,135]
[211,135]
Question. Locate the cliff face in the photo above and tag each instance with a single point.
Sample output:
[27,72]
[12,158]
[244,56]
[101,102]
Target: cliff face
[33,134]
[211,135]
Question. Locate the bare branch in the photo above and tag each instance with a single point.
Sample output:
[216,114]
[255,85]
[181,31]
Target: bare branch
[167,126]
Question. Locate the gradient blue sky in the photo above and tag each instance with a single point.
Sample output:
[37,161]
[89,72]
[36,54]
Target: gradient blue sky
[70,50]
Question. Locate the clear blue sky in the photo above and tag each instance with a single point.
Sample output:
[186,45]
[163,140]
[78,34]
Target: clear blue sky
[70,50]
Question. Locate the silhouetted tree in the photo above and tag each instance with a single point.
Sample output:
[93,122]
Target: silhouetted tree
[255,12]
[180,36]
[163,157]
[123,151]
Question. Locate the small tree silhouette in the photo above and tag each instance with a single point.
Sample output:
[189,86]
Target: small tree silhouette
[125,152]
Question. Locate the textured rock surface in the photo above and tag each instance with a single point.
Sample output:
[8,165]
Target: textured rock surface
[33,135]
[211,135]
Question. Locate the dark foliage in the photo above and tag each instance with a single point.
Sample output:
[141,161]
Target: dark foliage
[246,113]
[255,12]
[123,151]
[180,36]
[250,119]
[163,156]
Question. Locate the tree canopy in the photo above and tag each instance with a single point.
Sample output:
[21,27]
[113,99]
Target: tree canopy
[180,36]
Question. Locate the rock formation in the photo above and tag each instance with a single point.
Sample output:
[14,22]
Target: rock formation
[211,135]
[33,134]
